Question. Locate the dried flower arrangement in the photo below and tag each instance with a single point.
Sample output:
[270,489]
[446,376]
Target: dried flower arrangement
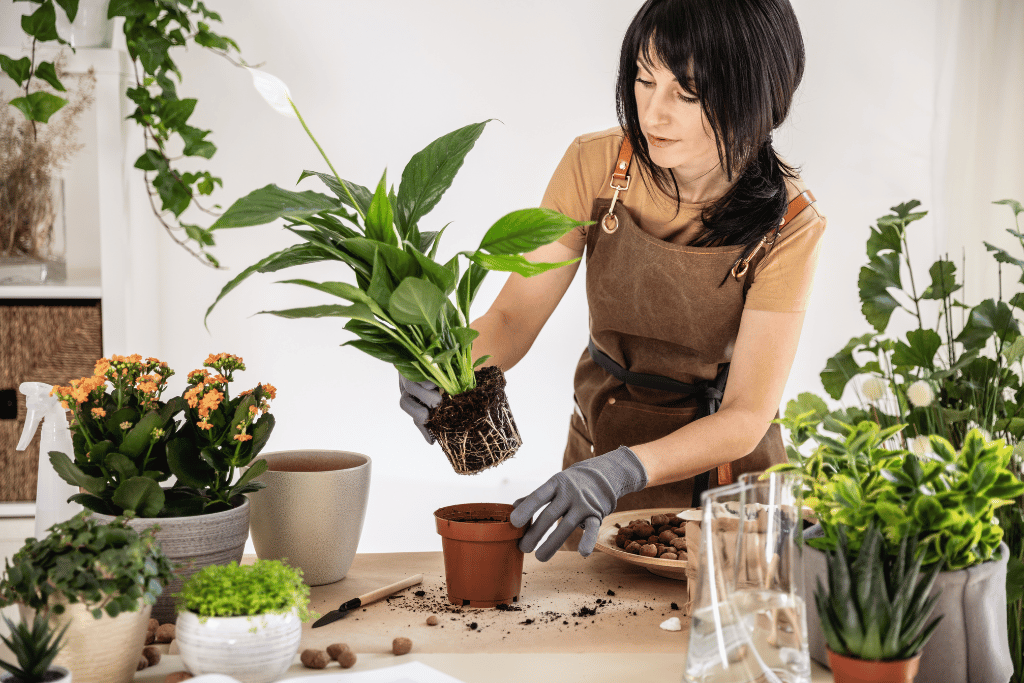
[30,159]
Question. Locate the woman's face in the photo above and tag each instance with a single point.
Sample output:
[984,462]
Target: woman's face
[671,118]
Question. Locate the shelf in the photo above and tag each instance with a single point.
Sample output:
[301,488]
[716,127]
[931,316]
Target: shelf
[23,509]
[73,289]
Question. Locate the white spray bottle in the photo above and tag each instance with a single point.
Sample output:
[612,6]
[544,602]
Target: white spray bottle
[52,492]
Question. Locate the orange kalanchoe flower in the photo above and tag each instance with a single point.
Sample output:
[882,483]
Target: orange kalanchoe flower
[198,376]
[147,384]
[192,395]
[102,365]
[270,390]
[203,424]
[210,401]
[99,412]
[242,437]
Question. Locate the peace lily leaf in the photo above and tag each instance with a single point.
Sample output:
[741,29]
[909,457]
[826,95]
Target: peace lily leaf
[881,273]
[271,202]
[441,276]
[381,283]
[468,286]
[39,106]
[464,335]
[362,195]
[393,353]
[525,230]
[357,311]
[274,91]
[379,217]
[342,290]
[943,280]
[514,263]
[417,302]
[430,173]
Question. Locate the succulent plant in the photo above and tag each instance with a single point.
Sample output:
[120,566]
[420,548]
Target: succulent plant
[877,607]
[34,646]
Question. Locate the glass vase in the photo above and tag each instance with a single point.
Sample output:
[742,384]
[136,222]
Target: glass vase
[32,234]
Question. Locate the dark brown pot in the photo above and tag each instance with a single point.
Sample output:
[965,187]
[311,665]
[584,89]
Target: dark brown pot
[850,670]
[475,429]
[483,565]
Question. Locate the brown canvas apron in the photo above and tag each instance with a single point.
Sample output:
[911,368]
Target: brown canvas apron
[656,308]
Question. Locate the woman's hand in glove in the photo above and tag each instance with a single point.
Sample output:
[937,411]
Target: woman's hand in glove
[581,495]
[418,399]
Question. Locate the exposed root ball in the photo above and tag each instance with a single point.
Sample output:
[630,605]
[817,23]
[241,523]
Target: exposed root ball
[476,429]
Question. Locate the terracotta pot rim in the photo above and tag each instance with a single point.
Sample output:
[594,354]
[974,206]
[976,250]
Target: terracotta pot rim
[481,531]
[295,453]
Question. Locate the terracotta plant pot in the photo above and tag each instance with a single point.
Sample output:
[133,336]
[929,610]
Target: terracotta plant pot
[311,513]
[476,430]
[194,543]
[850,670]
[104,650]
[483,565]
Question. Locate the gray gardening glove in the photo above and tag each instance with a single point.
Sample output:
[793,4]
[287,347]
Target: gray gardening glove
[581,495]
[418,399]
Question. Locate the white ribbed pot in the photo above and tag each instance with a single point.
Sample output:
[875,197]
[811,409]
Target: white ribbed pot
[256,649]
[104,650]
[192,543]
[55,674]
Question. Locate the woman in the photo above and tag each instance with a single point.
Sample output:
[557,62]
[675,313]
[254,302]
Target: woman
[700,261]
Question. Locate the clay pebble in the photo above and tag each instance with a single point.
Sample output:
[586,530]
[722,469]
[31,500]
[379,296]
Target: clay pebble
[177,677]
[432,620]
[143,663]
[165,633]
[401,646]
[347,659]
[314,659]
[335,649]
[152,655]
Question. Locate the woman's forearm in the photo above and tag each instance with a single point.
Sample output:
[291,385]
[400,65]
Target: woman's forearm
[499,340]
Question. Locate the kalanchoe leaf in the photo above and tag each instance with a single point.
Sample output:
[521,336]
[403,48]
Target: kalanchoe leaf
[140,495]
[71,473]
[186,465]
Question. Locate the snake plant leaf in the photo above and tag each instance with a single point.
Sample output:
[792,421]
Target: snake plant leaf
[989,318]
[39,106]
[295,255]
[271,202]
[944,282]
[417,302]
[514,263]
[140,494]
[380,216]
[522,231]
[71,473]
[430,173]
[921,350]
[873,284]
[362,195]
[358,311]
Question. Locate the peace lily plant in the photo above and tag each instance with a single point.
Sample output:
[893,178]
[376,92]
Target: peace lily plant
[405,308]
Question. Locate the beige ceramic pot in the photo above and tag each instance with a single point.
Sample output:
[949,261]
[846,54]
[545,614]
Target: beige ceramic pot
[311,512]
[192,543]
[104,650]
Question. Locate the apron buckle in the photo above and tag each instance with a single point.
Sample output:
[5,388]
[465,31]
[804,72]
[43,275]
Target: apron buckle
[611,207]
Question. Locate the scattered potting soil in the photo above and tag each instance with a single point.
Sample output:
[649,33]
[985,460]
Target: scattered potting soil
[476,429]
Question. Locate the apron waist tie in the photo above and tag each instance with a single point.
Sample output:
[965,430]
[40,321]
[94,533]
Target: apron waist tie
[710,390]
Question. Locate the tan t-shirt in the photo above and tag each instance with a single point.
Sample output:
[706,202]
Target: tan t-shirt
[782,280]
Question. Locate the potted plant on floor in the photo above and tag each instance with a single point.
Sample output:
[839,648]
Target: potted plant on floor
[853,481]
[34,644]
[97,580]
[242,621]
[406,308]
[875,610]
[127,441]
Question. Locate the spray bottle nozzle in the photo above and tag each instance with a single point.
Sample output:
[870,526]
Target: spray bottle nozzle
[38,402]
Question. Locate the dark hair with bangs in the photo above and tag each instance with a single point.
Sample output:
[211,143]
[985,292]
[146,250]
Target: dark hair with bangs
[743,59]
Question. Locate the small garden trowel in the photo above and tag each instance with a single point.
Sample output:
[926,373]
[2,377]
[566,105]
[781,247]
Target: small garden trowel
[366,599]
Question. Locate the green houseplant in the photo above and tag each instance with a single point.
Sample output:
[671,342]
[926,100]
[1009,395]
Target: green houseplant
[242,621]
[98,579]
[35,645]
[405,308]
[962,372]
[875,609]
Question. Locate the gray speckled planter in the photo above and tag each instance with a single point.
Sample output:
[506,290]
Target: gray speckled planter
[195,542]
[970,644]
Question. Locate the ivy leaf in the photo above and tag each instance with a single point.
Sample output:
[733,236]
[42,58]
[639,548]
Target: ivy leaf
[125,8]
[41,24]
[48,73]
[39,106]
[70,8]
[873,284]
[1003,256]
[886,237]
[18,69]
[174,195]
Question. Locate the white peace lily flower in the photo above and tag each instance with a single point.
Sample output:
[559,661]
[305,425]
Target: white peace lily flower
[920,394]
[874,388]
[274,91]
[920,446]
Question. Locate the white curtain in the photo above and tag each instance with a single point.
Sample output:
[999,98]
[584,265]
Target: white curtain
[979,137]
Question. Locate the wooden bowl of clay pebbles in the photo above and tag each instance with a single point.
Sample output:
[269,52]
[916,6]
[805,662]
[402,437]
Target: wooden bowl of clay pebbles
[653,539]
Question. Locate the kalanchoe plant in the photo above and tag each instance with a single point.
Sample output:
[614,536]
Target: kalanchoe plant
[35,645]
[232,590]
[405,308]
[853,481]
[877,607]
[127,440]
[107,567]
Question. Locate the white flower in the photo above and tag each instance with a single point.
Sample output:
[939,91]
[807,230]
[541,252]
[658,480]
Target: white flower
[920,446]
[920,394]
[874,388]
[274,91]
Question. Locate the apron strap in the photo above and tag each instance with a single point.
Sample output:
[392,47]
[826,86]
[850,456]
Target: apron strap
[798,204]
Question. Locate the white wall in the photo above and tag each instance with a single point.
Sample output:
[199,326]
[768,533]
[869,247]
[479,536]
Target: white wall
[376,81]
